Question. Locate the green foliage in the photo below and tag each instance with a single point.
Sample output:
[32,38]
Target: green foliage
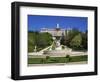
[84,40]
[70,35]
[73,39]
[57,59]
[43,60]
[47,57]
[44,40]
[31,41]
[79,58]
[63,40]
[76,42]
[67,56]
[40,40]
[63,47]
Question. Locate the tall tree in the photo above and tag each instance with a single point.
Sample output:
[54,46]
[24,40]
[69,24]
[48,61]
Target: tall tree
[76,42]
[44,40]
[84,40]
[63,40]
[70,34]
[38,40]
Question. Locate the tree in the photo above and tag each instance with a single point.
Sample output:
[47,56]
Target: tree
[76,42]
[84,40]
[44,40]
[47,57]
[70,34]
[63,40]
[68,57]
[40,40]
[31,41]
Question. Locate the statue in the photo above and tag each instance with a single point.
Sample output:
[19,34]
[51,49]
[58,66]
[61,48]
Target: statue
[35,49]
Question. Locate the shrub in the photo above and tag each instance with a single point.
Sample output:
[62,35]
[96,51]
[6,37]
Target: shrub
[63,47]
[43,60]
[67,56]
[76,42]
[47,57]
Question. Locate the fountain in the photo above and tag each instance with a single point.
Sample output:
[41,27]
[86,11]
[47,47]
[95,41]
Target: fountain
[56,48]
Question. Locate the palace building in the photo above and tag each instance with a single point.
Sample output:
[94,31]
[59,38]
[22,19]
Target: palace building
[56,32]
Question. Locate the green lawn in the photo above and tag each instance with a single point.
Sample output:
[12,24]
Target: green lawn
[49,59]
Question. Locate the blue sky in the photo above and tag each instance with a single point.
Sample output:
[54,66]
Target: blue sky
[36,22]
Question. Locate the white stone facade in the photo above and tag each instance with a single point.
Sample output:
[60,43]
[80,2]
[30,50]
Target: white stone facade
[54,32]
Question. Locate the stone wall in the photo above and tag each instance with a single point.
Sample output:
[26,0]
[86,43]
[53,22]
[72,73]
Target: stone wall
[57,52]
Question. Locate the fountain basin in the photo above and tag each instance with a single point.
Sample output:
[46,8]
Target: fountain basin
[57,52]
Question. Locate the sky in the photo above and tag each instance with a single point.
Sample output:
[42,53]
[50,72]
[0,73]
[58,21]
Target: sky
[36,22]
